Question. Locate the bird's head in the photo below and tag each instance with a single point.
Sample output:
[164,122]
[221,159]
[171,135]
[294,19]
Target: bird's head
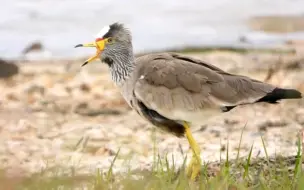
[112,40]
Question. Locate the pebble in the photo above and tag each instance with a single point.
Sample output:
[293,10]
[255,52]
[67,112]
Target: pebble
[22,126]
[57,143]
[8,69]
[21,155]
[58,90]
[122,130]
[96,134]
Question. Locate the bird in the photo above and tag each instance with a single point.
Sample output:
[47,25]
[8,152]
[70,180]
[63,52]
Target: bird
[173,91]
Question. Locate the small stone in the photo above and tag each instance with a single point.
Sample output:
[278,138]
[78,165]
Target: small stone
[58,90]
[104,151]
[31,99]
[13,145]
[216,130]
[275,122]
[96,134]
[17,137]
[12,97]
[124,151]
[21,155]
[22,126]
[122,130]
[8,69]
[223,147]
[85,87]
[57,143]
[213,147]
[300,116]
[92,110]
[231,121]
[81,105]
[35,89]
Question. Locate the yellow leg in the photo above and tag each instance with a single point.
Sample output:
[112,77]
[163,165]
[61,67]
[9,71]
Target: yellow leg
[194,167]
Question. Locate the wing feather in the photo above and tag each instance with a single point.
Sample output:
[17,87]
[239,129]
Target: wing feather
[172,82]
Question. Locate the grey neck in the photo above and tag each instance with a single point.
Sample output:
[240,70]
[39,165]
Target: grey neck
[121,67]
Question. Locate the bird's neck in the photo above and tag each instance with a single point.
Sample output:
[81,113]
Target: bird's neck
[122,67]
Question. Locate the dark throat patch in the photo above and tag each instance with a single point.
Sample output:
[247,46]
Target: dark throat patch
[108,61]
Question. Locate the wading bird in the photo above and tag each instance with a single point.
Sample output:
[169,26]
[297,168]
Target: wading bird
[173,91]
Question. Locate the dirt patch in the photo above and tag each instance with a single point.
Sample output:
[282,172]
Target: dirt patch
[52,114]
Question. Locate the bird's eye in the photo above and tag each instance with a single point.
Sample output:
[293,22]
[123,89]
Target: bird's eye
[110,40]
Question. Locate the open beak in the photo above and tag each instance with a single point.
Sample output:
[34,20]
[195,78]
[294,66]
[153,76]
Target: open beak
[98,44]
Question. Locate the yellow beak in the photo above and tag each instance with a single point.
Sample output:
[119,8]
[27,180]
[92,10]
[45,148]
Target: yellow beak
[99,44]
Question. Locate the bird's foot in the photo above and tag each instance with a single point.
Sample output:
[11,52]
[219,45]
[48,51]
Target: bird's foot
[194,168]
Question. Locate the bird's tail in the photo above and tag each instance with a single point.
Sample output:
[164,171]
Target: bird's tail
[280,93]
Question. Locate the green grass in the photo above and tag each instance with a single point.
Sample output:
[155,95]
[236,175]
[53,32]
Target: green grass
[232,174]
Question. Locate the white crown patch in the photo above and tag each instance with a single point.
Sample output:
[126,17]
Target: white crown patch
[103,31]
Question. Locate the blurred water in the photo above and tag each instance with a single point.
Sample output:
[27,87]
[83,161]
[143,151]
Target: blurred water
[157,24]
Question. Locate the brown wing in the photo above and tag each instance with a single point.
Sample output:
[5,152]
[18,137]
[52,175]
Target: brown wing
[169,81]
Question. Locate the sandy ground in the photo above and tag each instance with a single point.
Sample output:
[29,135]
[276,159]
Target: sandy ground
[58,114]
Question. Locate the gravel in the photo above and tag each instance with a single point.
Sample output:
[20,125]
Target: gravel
[41,125]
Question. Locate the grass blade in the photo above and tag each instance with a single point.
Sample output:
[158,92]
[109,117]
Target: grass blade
[110,171]
[265,150]
[246,167]
[298,161]
[239,147]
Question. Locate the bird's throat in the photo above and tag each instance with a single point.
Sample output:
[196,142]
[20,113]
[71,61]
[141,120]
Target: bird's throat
[108,61]
[120,69]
